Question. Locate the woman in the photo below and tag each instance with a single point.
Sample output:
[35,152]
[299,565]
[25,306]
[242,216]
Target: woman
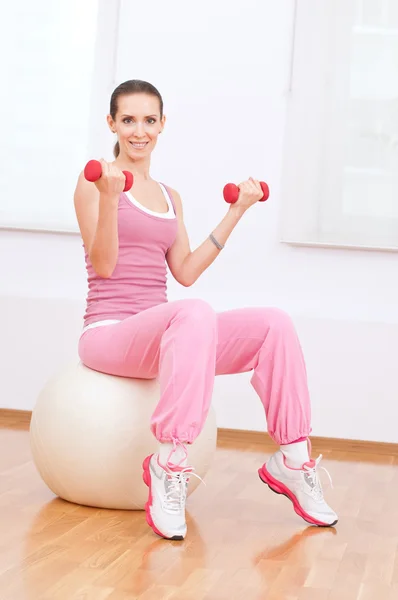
[131,330]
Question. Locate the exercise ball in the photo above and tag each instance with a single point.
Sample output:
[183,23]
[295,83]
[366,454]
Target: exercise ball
[90,433]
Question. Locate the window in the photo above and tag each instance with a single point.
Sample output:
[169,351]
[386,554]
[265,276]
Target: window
[48,55]
[340,171]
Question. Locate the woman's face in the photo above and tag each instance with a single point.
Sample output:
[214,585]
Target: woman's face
[137,124]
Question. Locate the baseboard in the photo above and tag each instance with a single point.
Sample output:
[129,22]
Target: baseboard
[10,417]
[243,438]
[239,438]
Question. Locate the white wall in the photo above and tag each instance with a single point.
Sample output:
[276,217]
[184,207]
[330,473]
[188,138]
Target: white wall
[343,302]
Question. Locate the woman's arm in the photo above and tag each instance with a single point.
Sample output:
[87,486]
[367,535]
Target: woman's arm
[187,266]
[96,210]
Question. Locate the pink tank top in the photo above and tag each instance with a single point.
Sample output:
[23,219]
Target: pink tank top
[139,280]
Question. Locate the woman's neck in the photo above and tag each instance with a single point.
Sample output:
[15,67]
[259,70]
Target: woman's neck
[140,168]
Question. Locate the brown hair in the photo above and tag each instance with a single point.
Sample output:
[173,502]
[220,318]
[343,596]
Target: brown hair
[133,86]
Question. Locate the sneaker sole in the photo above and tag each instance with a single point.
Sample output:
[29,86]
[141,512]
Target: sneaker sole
[279,488]
[147,480]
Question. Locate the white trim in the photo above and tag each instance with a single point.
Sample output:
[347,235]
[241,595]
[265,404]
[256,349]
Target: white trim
[167,215]
[292,48]
[104,78]
[336,246]
[100,324]
[41,227]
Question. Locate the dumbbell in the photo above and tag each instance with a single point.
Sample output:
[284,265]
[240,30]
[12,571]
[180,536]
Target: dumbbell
[231,192]
[93,172]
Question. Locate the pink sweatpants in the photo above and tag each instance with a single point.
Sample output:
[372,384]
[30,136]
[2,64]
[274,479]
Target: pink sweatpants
[185,344]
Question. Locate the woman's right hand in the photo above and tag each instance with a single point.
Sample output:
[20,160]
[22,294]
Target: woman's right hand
[112,180]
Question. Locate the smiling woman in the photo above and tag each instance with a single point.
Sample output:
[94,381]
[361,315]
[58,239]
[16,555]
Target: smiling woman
[134,130]
[131,330]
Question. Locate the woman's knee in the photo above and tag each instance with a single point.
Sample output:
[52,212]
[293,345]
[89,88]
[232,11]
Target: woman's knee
[197,310]
[278,320]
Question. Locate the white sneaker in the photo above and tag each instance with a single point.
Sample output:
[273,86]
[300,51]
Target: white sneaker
[165,509]
[301,486]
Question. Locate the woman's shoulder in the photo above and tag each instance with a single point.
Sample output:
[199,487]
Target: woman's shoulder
[175,196]
[175,199]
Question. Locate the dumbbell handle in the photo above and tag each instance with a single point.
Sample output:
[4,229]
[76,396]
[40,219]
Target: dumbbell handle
[231,192]
[93,172]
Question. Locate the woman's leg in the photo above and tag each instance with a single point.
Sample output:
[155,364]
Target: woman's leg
[185,344]
[176,343]
[263,340]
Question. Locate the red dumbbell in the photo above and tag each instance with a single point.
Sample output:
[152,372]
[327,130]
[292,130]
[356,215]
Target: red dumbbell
[93,172]
[231,192]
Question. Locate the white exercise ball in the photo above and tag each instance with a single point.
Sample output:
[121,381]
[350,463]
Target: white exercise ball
[90,433]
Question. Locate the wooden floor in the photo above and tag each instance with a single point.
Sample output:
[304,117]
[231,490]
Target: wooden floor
[243,542]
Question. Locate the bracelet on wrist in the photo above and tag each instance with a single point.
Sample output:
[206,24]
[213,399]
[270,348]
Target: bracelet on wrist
[215,242]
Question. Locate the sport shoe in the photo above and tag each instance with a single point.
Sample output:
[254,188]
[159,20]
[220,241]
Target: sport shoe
[301,486]
[165,509]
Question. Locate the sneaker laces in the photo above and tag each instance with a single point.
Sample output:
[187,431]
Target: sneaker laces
[177,445]
[312,478]
[177,483]
[177,480]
